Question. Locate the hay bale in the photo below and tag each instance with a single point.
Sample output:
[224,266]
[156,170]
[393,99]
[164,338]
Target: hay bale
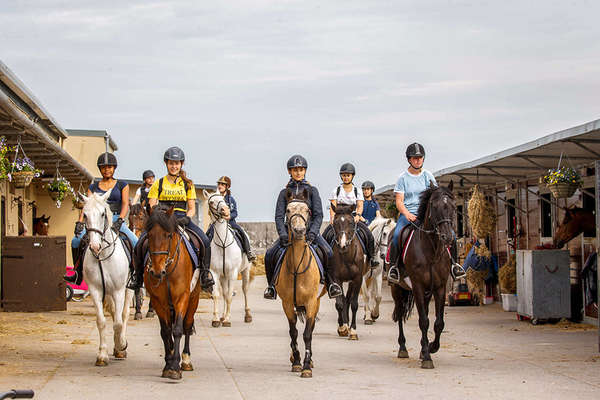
[475,280]
[482,217]
[468,248]
[507,276]
[257,268]
[483,251]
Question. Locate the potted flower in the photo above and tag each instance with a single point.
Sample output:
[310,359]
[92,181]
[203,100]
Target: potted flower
[5,164]
[563,182]
[58,189]
[77,200]
[23,171]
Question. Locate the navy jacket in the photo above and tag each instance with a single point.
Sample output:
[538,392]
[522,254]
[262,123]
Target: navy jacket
[232,207]
[314,203]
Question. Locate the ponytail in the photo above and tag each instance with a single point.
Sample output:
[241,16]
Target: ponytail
[188,182]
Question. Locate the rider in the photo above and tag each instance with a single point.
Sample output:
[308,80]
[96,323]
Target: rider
[223,186]
[175,190]
[296,167]
[119,205]
[409,187]
[347,193]
[371,208]
[141,194]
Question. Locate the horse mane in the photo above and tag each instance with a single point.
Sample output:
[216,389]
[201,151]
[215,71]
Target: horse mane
[426,196]
[344,209]
[136,209]
[160,217]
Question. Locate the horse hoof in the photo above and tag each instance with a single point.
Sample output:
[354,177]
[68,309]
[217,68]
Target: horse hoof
[138,316]
[150,314]
[120,354]
[216,324]
[375,317]
[248,318]
[226,324]
[368,322]
[312,364]
[100,362]
[353,336]
[343,331]
[402,354]
[307,373]
[187,367]
[171,374]
[297,368]
[427,364]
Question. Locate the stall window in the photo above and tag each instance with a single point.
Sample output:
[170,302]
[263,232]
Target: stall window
[460,227]
[589,204]
[511,215]
[546,216]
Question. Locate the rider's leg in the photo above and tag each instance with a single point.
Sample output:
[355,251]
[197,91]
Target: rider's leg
[328,234]
[137,276]
[333,289]
[245,241]
[125,229]
[206,279]
[77,260]
[457,271]
[394,272]
[270,270]
[370,243]
[210,232]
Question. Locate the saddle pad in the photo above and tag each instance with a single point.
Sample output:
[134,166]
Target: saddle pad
[406,245]
[279,257]
[189,246]
[127,245]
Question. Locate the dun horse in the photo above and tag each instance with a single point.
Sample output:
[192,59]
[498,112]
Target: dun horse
[576,221]
[298,281]
[168,277]
[427,262]
[350,265]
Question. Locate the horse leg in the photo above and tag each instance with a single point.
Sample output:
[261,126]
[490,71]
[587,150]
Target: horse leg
[339,306]
[353,300]
[150,313]
[228,296]
[245,286]
[365,290]
[346,310]
[438,325]
[292,319]
[308,332]
[167,337]
[120,350]
[216,321]
[376,287]
[174,371]
[102,357]
[139,301]
[188,330]
[422,307]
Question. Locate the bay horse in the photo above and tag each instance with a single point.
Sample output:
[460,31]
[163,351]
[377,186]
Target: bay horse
[298,281]
[137,222]
[576,221]
[427,262]
[105,270]
[227,260]
[350,265]
[41,225]
[373,281]
[167,278]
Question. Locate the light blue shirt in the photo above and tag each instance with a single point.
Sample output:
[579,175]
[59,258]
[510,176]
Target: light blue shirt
[412,186]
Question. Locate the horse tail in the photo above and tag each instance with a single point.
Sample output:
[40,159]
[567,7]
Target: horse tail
[403,308]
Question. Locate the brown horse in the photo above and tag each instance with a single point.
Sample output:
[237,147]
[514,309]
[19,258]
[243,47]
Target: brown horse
[137,222]
[167,278]
[41,226]
[576,221]
[298,281]
[349,265]
[427,263]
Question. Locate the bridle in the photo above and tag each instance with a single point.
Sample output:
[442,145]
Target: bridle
[298,269]
[215,211]
[349,241]
[297,215]
[219,218]
[171,259]
[102,234]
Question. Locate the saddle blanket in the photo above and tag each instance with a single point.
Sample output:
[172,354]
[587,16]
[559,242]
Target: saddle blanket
[279,263]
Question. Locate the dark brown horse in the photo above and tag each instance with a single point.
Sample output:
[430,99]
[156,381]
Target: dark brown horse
[349,265]
[41,226]
[427,263]
[168,277]
[576,221]
[137,222]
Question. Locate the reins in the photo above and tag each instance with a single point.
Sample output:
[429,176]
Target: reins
[295,270]
[170,260]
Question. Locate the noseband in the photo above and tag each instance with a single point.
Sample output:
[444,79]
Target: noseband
[296,215]
[215,211]
[349,241]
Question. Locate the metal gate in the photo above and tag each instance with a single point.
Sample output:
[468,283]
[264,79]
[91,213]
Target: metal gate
[32,271]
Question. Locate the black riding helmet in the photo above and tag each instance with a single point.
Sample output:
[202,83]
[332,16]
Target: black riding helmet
[174,154]
[415,150]
[147,174]
[347,168]
[107,159]
[368,185]
[296,161]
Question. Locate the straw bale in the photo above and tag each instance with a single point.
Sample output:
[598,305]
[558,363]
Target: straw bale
[507,276]
[482,217]
[475,280]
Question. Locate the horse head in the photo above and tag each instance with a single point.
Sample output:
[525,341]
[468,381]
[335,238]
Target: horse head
[575,221]
[344,225]
[161,226]
[382,228]
[217,206]
[297,214]
[440,212]
[97,219]
[41,226]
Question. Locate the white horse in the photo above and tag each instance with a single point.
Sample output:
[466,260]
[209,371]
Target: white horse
[227,261]
[373,280]
[105,269]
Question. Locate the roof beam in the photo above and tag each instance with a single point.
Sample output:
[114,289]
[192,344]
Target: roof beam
[495,195]
[548,157]
[527,158]
[583,147]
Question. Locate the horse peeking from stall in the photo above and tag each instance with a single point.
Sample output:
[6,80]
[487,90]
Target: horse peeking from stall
[298,281]
[576,221]
[137,222]
[41,225]
[425,253]
[168,280]
[350,265]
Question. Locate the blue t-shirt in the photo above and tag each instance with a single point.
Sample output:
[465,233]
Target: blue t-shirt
[370,208]
[412,186]
[115,196]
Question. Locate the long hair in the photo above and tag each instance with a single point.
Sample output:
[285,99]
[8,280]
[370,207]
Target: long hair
[188,182]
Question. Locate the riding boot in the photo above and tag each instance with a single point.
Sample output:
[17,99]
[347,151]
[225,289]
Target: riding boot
[206,278]
[270,292]
[394,273]
[136,280]
[371,249]
[78,264]
[333,288]
[246,247]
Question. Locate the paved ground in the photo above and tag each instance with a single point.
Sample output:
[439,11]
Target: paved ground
[485,353]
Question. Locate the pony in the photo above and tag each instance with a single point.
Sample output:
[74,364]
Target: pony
[105,270]
[576,221]
[137,221]
[226,262]
[373,281]
[41,226]
[427,261]
[298,281]
[350,265]
[168,280]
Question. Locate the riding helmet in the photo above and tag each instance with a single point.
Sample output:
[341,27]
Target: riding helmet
[297,161]
[107,159]
[347,168]
[225,180]
[174,154]
[147,174]
[415,150]
[368,185]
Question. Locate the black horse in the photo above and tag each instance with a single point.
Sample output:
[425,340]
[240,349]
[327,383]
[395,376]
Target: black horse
[350,265]
[427,260]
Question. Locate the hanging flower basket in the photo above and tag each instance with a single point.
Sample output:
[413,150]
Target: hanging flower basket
[5,163]
[563,182]
[563,190]
[77,201]
[21,179]
[58,189]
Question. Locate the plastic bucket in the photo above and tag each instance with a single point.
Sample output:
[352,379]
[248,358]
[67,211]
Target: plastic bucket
[509,302]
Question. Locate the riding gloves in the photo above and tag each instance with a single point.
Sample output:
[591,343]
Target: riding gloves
[79,227]
[183,221]
[117,224]
[310,237]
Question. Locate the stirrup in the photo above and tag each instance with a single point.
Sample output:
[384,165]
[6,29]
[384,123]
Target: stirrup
[457,271]
[250,256]
[206,280]
[71,278]
[334,290]
[394,275]
[270,293]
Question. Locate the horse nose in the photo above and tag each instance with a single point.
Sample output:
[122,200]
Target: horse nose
[163,272]
[95,247]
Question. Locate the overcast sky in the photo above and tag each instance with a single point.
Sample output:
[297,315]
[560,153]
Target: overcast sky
[242,85]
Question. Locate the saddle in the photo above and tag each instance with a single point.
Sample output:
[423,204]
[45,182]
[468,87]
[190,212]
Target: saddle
[404,240]
[316,253]
[193,244]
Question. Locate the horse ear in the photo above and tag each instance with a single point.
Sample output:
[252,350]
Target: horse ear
[388,221]
[170,211]
[48,219]
[288,195]
[205,193]
[353,207]
[43,216]
[84,197]
[106,195]
[451,186]
[333,207]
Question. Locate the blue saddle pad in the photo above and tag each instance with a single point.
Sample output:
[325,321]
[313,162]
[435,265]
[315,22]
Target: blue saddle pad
[192,251]
[279,257]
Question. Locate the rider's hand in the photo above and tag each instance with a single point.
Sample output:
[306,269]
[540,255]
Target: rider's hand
[183,221]
[310,237]
[117,224]
[356,218]
[410,217]
[79,227]
[284,240]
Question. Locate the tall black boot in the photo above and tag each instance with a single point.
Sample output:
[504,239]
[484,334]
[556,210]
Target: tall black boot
[137,276]
[333,289]
[371,249]
[206,278]
[78,268]
[270,292]
[393,273]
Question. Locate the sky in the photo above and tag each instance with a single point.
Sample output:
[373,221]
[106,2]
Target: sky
[243,85]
